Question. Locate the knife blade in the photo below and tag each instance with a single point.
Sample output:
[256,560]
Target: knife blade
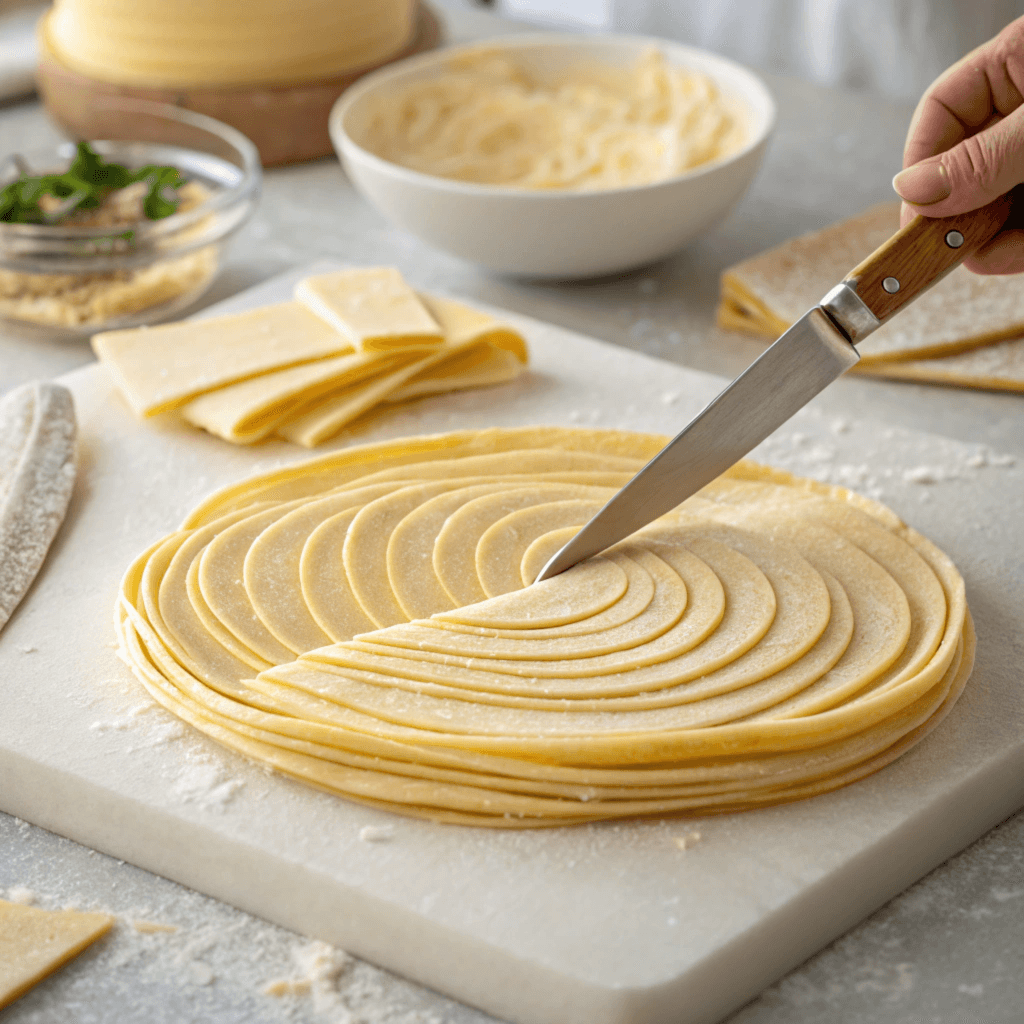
[816,350]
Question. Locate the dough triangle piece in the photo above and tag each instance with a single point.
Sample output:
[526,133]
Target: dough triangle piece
[37,474]
[34,943]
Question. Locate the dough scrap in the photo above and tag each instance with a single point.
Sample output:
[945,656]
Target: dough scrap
[35,943]
[965,331]
[364,622]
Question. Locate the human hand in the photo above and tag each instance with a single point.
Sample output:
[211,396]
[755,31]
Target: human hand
[965,145]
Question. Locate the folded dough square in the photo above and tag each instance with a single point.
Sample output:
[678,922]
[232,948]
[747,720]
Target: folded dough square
[371,306]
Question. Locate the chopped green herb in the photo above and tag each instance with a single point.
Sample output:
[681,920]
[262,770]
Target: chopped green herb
[84,186]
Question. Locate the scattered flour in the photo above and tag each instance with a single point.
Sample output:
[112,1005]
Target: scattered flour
[1001,895]
[198,973]
[376,833]
[165,732]
[924,475]
[204,784]
[687,842]
[852,476]
[319,967]
[819,453]
[19,894]
[114,725]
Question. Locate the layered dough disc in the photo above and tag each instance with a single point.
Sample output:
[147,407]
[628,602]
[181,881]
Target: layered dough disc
[366,622]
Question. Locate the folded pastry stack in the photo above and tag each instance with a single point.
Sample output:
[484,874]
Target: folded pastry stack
[965,331]
[303,370]
[365,622]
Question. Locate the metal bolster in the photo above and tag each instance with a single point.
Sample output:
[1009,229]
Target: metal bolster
[846,309]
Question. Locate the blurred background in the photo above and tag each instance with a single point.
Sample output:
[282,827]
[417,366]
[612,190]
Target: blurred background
[893,47]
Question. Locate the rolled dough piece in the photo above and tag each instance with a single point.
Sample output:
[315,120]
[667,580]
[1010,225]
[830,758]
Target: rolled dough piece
[35,943]
[462,324]
[955,334]
[477,351]
[372,307]
[771,639]
[478,367]
[251,409]
[161,368]
[366,338]
[37,475]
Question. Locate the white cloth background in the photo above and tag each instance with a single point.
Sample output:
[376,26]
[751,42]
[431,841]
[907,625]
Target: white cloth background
[896,47]
[17,47]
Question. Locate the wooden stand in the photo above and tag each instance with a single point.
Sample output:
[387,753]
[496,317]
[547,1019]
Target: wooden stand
[288,124]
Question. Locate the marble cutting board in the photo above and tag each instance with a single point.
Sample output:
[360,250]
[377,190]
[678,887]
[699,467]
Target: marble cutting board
[599,924]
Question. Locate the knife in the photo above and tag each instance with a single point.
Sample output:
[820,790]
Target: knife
[816,350]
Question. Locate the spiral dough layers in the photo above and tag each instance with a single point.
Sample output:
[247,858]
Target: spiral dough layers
[364,622]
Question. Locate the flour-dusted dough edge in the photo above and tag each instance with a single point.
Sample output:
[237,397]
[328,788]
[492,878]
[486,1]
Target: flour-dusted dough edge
[963,312]
[37,475]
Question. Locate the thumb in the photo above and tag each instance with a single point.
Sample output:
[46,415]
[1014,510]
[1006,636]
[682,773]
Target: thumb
[971,174]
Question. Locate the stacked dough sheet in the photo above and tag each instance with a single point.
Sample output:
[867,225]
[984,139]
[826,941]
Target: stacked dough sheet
[364,622]
[231,43]
[965,331]
[303,370]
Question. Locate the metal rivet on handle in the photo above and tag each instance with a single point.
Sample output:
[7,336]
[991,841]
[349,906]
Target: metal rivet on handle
[954,239]
[891,285]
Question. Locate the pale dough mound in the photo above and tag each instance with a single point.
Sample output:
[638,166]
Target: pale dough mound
[364,622]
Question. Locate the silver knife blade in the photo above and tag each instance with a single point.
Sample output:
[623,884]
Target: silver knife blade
[804,361]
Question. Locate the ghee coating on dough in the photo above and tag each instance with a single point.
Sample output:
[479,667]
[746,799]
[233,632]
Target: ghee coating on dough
[365,622]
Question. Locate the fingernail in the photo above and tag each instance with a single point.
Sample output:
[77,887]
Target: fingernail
[923,184]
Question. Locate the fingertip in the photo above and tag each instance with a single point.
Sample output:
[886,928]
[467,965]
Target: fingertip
[923,184]
[1003,255]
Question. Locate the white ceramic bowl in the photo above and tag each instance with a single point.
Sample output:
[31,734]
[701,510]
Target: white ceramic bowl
[556,234]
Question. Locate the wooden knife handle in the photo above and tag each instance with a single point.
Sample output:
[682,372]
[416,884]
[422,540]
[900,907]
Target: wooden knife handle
[921,254]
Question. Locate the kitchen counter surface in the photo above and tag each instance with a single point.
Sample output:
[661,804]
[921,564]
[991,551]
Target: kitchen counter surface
[947,950]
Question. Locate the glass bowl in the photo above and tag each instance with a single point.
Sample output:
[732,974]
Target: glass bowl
[68,280]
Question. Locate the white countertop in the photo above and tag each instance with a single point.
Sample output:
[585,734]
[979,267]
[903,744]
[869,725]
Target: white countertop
[946,950]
